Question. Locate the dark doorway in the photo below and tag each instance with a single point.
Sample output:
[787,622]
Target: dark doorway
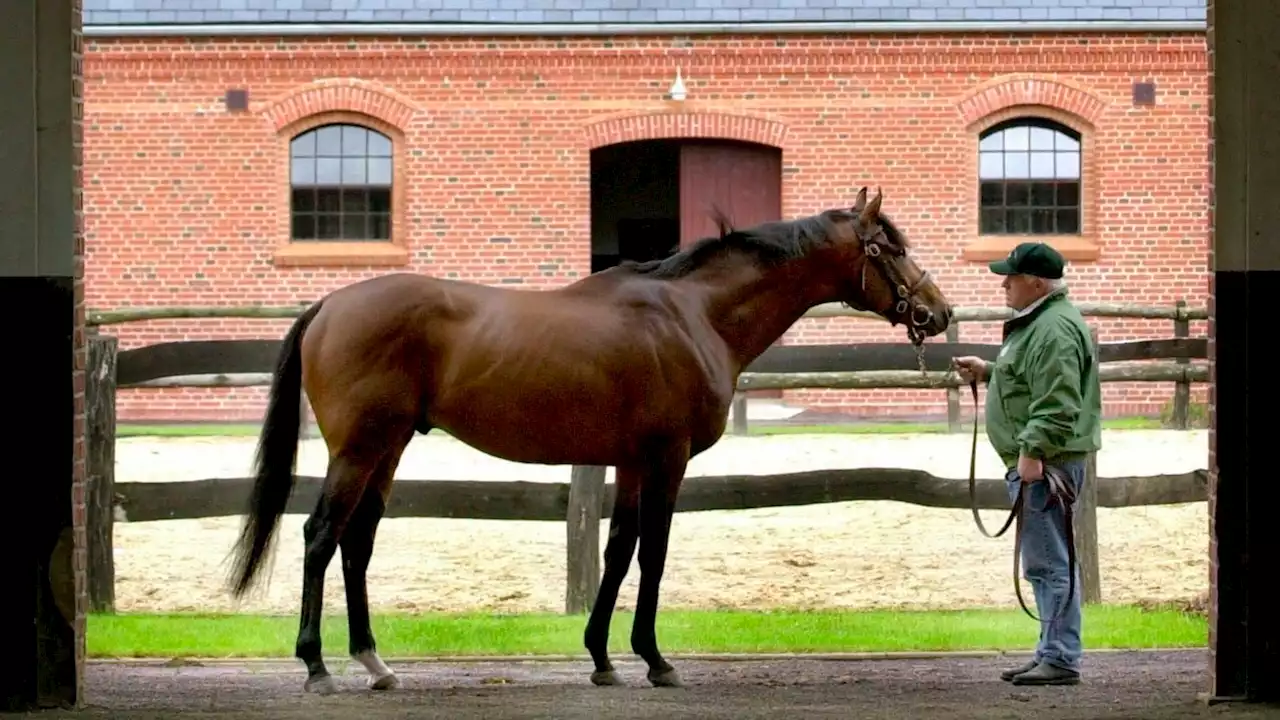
[651,197]
[635,202]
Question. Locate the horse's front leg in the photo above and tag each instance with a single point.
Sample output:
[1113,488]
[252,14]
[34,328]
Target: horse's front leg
[658,493]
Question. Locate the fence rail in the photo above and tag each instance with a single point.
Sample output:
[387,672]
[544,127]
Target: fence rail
[587,499]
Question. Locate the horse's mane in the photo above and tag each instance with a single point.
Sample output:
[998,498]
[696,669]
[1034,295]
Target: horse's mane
[767,243]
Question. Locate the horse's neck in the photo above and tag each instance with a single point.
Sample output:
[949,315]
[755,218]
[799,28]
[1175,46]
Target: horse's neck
[751,307]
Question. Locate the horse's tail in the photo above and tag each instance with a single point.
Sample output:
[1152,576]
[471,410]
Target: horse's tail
[276,455]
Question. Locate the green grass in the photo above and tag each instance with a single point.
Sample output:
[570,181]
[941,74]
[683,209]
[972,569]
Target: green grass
[211,636]
[756,428]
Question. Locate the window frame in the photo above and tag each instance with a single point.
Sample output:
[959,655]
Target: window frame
[1081,246]
[392,251]
[1054,181]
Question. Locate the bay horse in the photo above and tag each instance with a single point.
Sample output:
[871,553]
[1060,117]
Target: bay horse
[634,366]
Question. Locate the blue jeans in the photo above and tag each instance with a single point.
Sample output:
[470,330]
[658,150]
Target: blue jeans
[1045,566]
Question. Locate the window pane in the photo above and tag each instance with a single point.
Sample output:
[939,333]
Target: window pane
[1042,194]
[994,141]
[992,222]
[328,171]
[304,227]
[329,141]
[1067,143]
[379,145]
[328,227]
[1016,165]
[328,200]
[992,194]
[1068,165]
[1017,221]
[304,145]
[1042,138]
[379,171]
[304,200]
[1068,194]
[1042,221]
[354,141]
[1017,193]
[353,227]
[1042,165]
[1017,138]
[379,200]
[1068,221]
[353,171]
[302,171]
[355,200]
[379,227]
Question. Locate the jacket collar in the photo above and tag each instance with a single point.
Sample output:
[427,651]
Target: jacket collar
[1028,314]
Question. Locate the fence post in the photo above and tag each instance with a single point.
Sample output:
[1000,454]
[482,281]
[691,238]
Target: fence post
[738,411]
[100,469]
[1086,523]
[953,394]
[586,497]
[1182,391]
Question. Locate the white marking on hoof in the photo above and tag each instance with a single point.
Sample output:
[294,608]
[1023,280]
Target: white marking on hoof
[381,677]
[321,685]
[666,678]
[606,678]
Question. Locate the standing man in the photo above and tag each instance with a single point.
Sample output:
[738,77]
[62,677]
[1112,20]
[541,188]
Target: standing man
[1044,407]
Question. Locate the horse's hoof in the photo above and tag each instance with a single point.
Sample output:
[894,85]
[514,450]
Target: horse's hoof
[666,678]
[384,682]
[322,685]
[606,678]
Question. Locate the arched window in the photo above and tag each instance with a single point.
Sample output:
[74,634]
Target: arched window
[341,184]
[1029,170]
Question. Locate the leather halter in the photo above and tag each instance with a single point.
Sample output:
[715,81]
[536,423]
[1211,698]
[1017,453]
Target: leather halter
[1060,490]
[906,291]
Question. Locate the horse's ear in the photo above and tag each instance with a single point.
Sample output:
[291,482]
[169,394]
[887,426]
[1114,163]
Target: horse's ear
[861,202]
[871,213]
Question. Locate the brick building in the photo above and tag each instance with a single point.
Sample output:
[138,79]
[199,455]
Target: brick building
[524,142]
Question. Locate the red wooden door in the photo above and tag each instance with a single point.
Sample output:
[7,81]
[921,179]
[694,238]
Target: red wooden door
[742,180]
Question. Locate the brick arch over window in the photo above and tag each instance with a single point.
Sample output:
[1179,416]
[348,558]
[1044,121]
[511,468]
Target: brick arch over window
[1049,104]
[1024,90]
[336,168]
[661,126]
[347,95]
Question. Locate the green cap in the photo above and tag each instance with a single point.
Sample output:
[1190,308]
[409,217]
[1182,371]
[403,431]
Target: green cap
[1031,258]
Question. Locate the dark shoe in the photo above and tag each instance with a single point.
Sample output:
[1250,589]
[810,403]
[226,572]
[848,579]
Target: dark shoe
[1009,674]
[1046,674]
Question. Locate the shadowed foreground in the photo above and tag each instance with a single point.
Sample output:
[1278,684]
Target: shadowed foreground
[1154,686]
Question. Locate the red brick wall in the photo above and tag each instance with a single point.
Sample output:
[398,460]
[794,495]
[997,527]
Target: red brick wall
[187,202]
[80,563]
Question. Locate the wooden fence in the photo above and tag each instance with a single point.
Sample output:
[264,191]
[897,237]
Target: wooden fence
[586,499]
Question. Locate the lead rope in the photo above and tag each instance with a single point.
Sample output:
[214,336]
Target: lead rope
[1059,491]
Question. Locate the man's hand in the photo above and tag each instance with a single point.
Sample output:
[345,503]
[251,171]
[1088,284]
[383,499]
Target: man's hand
[970,368]
[1030,469]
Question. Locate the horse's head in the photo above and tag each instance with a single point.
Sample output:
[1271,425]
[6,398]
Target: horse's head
[883,278]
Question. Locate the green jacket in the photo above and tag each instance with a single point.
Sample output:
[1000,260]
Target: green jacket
[1043,395]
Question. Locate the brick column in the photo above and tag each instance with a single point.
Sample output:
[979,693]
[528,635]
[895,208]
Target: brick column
[78,490]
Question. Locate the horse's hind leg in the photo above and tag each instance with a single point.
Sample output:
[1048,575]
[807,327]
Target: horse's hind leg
[357,550]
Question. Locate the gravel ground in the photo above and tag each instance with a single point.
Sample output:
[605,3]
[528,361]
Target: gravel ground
[1149,685]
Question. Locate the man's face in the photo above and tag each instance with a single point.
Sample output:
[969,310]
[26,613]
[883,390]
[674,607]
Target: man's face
[1021,290]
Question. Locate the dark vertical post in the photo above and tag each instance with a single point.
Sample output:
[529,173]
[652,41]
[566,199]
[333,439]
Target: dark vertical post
[1086,522]
[953,393]
[100,470]
[39,276]
[1182,391]
[582,546]
[1245,551]
[739,413]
